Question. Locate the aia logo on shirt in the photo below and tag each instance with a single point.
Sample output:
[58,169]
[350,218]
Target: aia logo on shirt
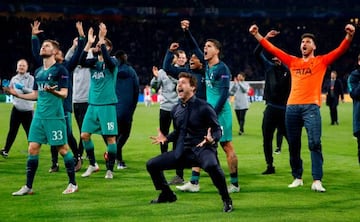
[304,71]
[97,75]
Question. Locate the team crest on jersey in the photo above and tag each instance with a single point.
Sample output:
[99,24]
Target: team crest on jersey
[51,81]
[208,83]
[211,75]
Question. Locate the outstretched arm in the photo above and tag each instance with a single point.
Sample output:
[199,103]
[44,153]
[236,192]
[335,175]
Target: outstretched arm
[350,31]
[258,52]
[160,138]
[344,45]
[283,56]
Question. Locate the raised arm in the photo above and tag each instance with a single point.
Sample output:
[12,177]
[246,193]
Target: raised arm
[254,30]
[193,45]
[258,52]
[155,83]
[168,65]
[91,39]
[110,62]
[79,45]
[344,45]
[268,46]
[35,42]
[350,31]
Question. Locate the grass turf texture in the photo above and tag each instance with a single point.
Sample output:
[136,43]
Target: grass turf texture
[127,196]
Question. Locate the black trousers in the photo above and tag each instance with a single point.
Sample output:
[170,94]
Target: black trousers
[17,117]
[240,116]
[333,112]
[274,118]
[165,122]
[79,113]
[124,129]
[206,158]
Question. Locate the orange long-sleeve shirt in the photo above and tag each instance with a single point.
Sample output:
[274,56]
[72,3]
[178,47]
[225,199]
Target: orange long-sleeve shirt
[306,76]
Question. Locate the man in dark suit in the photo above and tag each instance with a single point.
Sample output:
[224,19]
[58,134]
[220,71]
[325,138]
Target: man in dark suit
[196,133]
[334,91]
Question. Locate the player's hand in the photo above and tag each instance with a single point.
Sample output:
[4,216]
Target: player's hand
[80,29]
[272,34]
[91,36]
[50,88]
[35,28]
[102,31]
[160,138]
[185,24]
[174,46]
[254,29]
[207,139]
[350,29]
[10,91]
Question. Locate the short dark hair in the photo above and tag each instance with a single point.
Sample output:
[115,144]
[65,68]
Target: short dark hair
[216,43]
[192,79]
[121,56]
[308,35]
[242,74]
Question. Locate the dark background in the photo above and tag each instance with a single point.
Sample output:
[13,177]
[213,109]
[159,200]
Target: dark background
[145,29]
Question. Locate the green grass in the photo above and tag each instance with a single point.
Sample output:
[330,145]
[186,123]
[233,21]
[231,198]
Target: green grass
[127,196]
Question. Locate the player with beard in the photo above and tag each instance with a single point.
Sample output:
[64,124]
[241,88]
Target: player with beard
[70,65]
[303,105]
[48,124]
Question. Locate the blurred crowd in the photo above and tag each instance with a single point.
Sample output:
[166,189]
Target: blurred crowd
[147,38]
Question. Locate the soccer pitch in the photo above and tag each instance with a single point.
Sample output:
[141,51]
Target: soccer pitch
[127,196]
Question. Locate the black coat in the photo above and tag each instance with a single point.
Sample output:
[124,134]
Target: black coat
[333,99]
